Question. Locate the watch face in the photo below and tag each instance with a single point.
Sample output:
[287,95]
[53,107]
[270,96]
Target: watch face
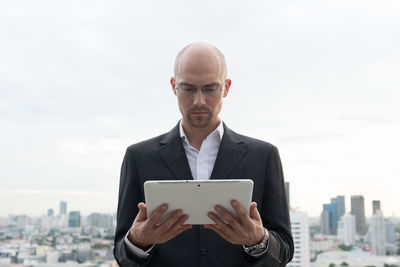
[256,250]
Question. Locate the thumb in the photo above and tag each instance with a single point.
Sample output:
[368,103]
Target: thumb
[254,214]
[142,214]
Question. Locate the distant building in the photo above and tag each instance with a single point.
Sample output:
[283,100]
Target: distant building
[101,220]
[347,229]
[74,219]
[390,231]
[22,221]
[301,238]
[331,215]
[323,243]
[52,257]
[330,218]
[287,188]
[50,212]
[378,235]
[376,205]
[63,207]
[357,209]
[325,222]
[340,204]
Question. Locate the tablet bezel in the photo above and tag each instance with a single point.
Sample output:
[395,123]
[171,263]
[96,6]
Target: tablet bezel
[196,197]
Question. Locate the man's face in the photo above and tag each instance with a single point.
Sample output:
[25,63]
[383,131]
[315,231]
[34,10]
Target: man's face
[200,110]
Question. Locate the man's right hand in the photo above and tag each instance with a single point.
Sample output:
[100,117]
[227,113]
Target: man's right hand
[147,231]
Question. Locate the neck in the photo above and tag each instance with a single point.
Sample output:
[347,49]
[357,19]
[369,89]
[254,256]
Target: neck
[196,136]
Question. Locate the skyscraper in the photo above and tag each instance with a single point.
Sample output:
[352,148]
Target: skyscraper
[325,222]
[50,212]
[301,238]
[330,217]
[357,209]
[287,188]
[100,220]
[347,229]
[341,209]
[63,207]
[378,234]
[390,231]
[376,205]
[74,219]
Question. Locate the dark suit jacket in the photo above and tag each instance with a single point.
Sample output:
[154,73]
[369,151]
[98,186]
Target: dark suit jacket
[163,157]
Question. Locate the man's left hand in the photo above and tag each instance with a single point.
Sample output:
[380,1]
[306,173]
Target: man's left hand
[243,229]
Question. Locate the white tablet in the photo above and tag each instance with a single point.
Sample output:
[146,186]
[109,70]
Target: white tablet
[196,198]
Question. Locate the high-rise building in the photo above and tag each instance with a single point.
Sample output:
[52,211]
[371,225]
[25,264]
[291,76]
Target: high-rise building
[332,217]
[325,230]
[347,229]
[376,205]
[287,188]
[390,231]
[357,209]
[341,208]
[101,220]
[74,219]
[63,207]
[378,234]
[301,238]
[50,212]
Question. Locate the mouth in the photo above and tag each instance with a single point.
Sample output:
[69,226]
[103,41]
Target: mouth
[199,113]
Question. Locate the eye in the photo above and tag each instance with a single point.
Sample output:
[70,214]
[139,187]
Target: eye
[189,89]
[211,89]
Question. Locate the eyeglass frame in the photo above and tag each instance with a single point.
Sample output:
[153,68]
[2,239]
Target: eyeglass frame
[203,90]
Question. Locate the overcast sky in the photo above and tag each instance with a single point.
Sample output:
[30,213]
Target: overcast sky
[82,80]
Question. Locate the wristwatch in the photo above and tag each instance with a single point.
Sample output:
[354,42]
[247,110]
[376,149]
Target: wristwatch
[260,247]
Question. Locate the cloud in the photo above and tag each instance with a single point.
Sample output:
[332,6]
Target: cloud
[80,81]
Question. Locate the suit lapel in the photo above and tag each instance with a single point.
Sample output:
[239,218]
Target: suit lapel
[174,155]
[229,155]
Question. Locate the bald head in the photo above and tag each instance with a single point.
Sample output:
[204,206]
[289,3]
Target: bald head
[200,53]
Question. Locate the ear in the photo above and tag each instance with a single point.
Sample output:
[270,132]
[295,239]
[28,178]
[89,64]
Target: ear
[172,82]
[228,83]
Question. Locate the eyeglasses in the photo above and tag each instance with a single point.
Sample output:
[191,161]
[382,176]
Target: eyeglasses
[209,90]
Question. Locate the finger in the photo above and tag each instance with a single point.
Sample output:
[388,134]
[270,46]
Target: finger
[214,217]
[157,213]
[254,214]
[178,227]
[142,214]
[220,223]
[227,216]
[169,222]
[180,223]
[241,212]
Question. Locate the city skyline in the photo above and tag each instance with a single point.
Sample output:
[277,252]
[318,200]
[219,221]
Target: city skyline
[80,82]
[64,206]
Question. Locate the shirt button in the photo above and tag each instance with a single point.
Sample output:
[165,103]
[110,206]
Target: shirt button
[203,251]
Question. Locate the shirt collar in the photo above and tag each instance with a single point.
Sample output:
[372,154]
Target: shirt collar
[219,131]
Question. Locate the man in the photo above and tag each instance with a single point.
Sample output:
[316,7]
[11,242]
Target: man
[202,147]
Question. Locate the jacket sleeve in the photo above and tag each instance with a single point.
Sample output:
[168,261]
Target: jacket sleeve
[128,198]
[275,216]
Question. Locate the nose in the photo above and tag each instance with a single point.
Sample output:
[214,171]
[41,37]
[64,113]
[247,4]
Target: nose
[199,98]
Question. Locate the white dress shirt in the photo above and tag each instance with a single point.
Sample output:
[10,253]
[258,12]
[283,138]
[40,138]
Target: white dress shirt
[201,162]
